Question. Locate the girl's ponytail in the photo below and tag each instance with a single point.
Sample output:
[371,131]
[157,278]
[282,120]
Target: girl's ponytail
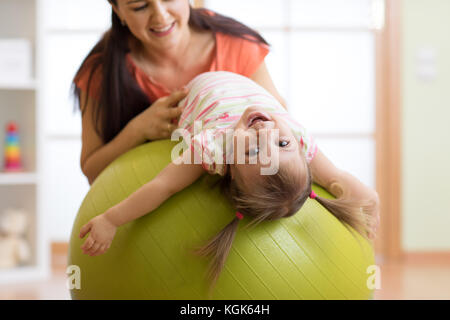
[218,248]
[356,214]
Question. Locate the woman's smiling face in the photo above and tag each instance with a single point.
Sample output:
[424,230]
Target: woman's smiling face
[156,23]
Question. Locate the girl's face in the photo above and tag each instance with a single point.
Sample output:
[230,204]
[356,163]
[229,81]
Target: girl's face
[156,23]
[256,136]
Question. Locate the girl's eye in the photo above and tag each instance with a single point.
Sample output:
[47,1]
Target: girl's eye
[253,151]
[284,143]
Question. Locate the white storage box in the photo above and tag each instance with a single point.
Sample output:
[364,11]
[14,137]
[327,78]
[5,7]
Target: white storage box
[15,61]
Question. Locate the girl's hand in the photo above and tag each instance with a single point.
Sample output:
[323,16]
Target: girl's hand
[102,232]
[375,214]
[160,119]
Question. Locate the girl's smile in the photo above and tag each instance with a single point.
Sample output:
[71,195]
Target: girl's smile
[255,118]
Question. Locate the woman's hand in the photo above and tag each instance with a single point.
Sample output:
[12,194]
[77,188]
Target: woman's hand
[158,121]
[102,232]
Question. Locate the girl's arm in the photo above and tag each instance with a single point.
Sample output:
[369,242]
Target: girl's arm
[340,183]
[347,187]
[150,196]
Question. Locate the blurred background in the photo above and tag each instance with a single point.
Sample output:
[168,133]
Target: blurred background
[368,78]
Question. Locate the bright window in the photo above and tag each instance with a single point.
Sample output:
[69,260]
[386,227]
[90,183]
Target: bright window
[322,62]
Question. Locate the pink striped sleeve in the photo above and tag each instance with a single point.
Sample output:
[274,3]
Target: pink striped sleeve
[204,145]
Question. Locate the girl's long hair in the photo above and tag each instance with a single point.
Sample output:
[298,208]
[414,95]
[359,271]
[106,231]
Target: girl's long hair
[277,196]
[120,98]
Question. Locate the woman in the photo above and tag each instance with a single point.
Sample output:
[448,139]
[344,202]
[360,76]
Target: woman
[129,84]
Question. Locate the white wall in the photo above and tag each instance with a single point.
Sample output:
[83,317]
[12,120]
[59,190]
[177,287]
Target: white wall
[70,28]
[324,67]
[425,125]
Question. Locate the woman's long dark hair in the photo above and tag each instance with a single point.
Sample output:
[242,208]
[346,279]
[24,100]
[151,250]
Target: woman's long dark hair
[120,98]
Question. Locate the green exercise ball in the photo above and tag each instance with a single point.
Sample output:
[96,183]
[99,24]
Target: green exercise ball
[310,255]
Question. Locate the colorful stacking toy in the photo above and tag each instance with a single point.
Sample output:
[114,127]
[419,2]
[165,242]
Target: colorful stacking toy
[12,149]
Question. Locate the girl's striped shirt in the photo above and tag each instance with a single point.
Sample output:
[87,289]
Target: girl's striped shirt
[215,103]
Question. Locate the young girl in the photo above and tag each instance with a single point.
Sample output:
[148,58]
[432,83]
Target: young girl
[223,103]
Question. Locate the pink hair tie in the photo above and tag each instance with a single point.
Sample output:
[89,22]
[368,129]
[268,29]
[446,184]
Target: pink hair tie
[312,195]
[239,215]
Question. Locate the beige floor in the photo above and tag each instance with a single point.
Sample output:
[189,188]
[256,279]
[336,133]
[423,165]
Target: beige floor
[422,279]
[52,289]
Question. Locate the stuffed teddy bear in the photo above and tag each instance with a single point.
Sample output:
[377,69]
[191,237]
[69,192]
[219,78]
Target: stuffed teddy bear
[14,248]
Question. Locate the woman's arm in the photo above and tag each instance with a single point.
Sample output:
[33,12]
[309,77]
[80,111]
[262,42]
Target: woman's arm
[95,155]
[262,77]
[153,123]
